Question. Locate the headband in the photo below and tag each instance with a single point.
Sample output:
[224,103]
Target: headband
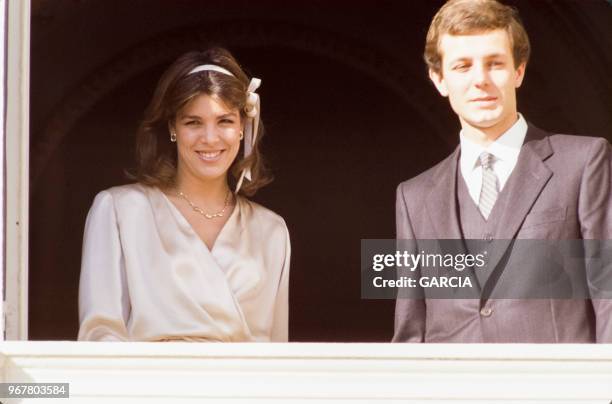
[252,110]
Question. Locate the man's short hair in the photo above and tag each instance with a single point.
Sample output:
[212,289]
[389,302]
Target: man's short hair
[467,17]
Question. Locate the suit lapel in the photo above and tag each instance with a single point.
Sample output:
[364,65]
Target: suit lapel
[525,184]
[443,210]
[442,200]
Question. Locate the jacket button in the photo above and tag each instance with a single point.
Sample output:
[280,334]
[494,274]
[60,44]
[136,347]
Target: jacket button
[486,312]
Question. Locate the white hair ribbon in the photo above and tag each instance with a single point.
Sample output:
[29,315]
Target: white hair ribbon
[252,109]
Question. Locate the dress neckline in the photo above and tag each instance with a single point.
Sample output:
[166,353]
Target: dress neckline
[185,223]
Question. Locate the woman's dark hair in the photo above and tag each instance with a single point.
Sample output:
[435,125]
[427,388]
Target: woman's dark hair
[156,155]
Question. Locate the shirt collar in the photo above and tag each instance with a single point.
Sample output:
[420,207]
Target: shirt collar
[505,148]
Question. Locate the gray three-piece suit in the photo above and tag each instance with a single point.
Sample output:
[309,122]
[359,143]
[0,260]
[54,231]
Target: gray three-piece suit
[560,189]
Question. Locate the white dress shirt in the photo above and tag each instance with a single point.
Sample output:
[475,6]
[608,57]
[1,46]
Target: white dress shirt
[505,150]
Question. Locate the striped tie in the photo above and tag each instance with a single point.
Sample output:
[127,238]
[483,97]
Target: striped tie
[488,192]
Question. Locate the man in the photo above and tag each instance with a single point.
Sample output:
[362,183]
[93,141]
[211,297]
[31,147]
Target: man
[507,180]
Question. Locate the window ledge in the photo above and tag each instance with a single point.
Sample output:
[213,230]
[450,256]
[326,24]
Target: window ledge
[159,372]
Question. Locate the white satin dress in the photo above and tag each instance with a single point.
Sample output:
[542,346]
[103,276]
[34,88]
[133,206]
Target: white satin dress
[147,276]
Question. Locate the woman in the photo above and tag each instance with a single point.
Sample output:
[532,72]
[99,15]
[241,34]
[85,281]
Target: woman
[182,254]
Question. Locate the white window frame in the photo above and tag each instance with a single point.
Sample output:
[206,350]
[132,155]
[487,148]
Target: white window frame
[14,198]
[2,112]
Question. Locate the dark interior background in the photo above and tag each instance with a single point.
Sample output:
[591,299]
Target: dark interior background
[348,109]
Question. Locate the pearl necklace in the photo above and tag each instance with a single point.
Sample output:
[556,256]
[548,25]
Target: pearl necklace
[196,208]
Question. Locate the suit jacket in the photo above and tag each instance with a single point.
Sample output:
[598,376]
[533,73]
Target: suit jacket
[560,188]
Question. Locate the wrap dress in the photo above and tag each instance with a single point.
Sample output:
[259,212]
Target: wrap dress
[147,276]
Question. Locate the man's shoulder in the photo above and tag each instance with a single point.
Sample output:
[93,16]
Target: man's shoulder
[427,178]
[562,142]
[422,180]
[576,150]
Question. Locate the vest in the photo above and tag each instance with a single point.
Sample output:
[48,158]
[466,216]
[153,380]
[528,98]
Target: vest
[473,224]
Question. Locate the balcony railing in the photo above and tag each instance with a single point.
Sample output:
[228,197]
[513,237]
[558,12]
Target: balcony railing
[296,372]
